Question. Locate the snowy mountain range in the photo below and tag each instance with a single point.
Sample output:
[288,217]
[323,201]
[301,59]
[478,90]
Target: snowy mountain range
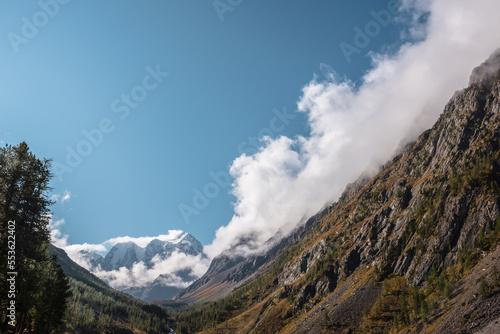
[157,270]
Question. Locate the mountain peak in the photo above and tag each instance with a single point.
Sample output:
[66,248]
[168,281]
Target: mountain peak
[123,254]
[153,253]
[487,70]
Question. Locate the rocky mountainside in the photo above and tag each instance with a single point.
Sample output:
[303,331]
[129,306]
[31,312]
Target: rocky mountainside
[128,254]
[415,249]
[227,272]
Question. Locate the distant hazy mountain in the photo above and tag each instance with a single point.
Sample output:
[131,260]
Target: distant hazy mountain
[127,254]
[123,255]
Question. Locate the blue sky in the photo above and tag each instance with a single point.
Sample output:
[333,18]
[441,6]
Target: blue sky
[143,106]
[225,79]
[157,97]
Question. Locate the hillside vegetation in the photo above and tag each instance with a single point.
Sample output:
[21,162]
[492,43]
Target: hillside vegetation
[95,308]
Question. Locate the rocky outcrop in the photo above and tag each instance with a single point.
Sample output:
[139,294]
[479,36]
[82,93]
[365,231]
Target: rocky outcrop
[300,266]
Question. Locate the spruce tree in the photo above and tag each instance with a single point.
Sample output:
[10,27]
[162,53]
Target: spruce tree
[24,187]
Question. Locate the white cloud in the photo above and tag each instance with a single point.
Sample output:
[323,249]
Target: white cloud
[104,247]
[58,238]
[66,196]
[140,275]
[172,236]
[358,127]
[99,248]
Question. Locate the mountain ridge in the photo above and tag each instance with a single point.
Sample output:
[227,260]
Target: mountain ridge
[128,254]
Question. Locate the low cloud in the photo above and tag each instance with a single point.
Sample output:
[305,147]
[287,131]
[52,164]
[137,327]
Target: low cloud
[358,127]
[172,236]
[139,274]
[58,238]
[64,197]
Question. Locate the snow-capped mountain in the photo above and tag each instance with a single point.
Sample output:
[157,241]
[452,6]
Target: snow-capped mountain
[92,258]
[157,269]
[124,254]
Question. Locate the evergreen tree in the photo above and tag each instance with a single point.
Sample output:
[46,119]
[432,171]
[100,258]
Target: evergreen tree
[41,286]
[483,287]
[326,319]
[53,304]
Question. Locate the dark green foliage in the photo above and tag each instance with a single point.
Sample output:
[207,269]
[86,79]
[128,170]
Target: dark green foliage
[466,258]
[322,266]
[326,319]
[52,306]
[404,197]
[495,275]
[424,310]
[41,286]
[95,310]
[455,184]
[439,282]
[479,242]
[209,315]
[483,287]
[366,310]
[478,172]
[404,305]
